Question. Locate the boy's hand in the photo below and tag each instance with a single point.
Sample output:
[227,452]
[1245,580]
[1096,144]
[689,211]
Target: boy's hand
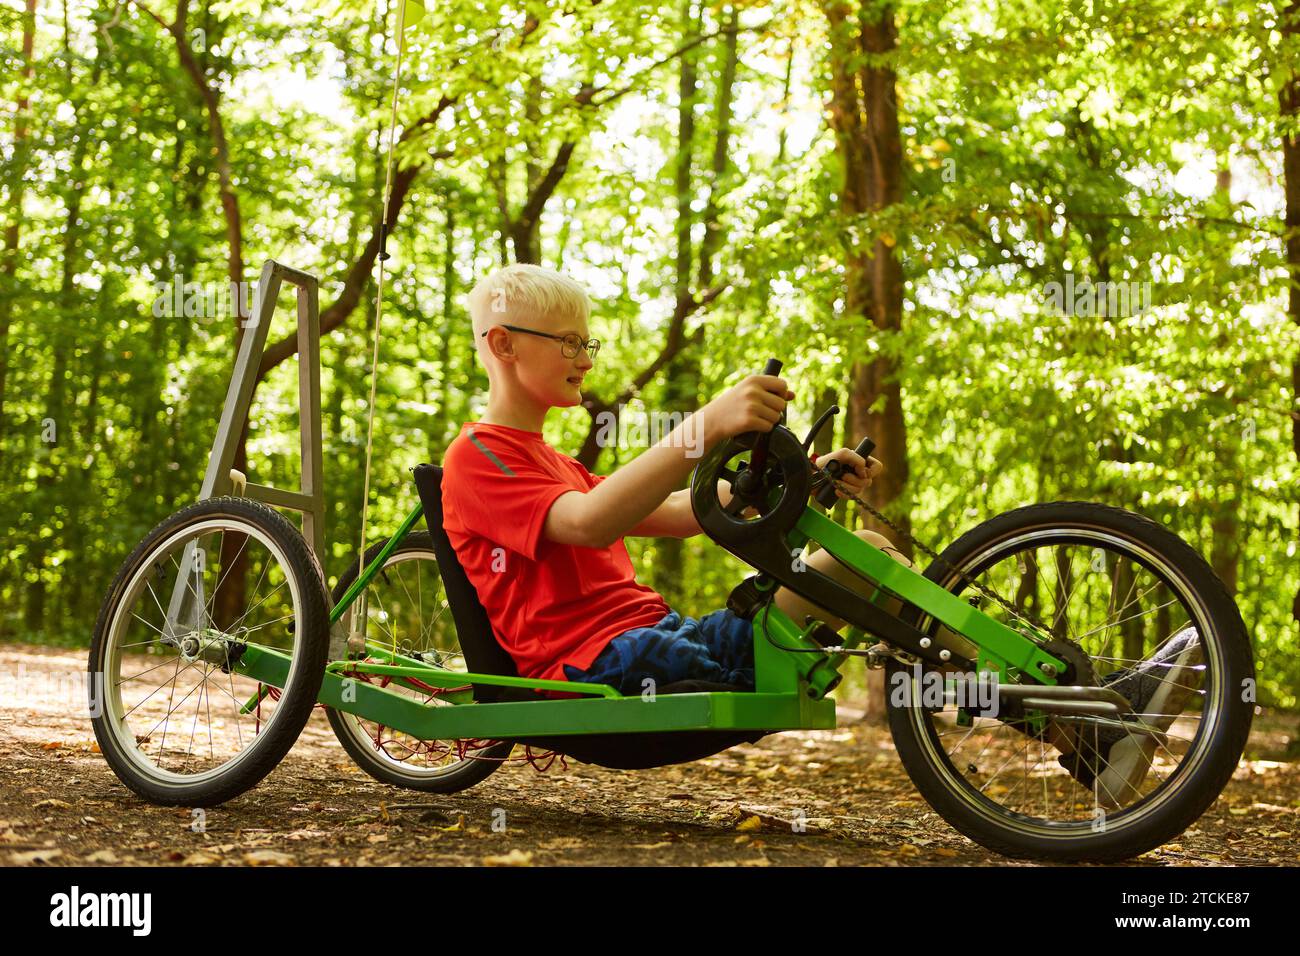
[858,472]
[754,405]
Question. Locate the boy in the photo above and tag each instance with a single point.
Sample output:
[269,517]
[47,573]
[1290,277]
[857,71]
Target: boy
[541,538]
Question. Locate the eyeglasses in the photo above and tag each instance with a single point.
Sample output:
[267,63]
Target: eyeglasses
[569,344]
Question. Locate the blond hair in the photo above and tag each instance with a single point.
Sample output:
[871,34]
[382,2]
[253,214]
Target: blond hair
[523,292]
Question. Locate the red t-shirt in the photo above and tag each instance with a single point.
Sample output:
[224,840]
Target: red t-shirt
[551,604]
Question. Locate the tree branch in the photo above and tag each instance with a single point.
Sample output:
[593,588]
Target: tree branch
[358,273]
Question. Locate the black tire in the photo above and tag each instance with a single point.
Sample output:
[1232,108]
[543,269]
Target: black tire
[1213,752]
[310,642]
[358,742]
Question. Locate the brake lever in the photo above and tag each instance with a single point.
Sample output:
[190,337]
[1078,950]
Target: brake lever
[817,426]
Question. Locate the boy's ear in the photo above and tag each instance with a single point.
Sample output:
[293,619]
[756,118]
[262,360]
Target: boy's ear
[500,345]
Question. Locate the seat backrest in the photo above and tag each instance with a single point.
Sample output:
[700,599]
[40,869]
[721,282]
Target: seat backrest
[478,641]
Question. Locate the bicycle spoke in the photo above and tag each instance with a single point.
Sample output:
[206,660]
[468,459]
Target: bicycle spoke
[143,672]
[258,627]
[146,624]
[235,626]
[411,625]
[171,697]
[384,615]
[998,771]
[194,725]
[225,572]
[149,708]
[402,581]
[239,734]
[1119,622]
[1042,762]
[181,575]
[1090,612]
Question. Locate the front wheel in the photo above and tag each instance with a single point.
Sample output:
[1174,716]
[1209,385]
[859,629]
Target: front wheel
[1130,606]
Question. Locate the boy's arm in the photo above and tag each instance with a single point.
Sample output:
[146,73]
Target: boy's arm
[620,503]
[672,519]
[675,518]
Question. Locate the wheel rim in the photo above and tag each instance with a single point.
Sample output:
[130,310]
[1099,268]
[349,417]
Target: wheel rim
[158,698]
[408,613]
[1044,800]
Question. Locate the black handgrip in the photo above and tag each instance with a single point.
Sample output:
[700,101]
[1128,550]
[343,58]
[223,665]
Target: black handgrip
[758,460]
[826,495]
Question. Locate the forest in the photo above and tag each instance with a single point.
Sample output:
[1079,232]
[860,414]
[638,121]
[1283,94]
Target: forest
[1037,250]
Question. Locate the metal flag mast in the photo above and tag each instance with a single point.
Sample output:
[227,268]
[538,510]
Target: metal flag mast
[186,606]
[356,632]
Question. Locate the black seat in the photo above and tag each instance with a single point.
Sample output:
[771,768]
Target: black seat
[485,655]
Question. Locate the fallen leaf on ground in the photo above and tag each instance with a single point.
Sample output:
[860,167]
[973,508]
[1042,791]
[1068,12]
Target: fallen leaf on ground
[569,843]
[34,856]
[269,858]
[513,858]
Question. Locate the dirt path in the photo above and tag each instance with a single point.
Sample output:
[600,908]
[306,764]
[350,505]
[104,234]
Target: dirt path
[61,804]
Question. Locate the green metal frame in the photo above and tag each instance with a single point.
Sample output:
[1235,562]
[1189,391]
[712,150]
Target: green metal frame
[793,673]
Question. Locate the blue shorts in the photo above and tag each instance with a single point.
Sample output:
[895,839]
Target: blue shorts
[718,647]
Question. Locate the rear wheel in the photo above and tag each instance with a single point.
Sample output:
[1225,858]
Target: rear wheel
[1115,589]
[407,613]
[174,715]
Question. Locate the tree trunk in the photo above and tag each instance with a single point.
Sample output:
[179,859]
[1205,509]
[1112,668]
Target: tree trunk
[78,573]
[227,604]
[864,117]
[1061,593]
[688,301]
[41,618]
[1289,101]
[721,163]
[446,417]
[1225,549]
[682,373]
[1225,523]
[17,187]
[1127,612]
[1026,599]
[525,226]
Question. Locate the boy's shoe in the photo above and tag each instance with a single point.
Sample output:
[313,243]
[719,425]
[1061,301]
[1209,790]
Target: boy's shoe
[1112,761]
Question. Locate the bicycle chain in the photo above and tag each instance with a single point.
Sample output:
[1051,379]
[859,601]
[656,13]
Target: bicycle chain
[982,589]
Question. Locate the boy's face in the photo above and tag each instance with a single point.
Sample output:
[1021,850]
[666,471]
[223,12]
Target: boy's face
[550,377]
